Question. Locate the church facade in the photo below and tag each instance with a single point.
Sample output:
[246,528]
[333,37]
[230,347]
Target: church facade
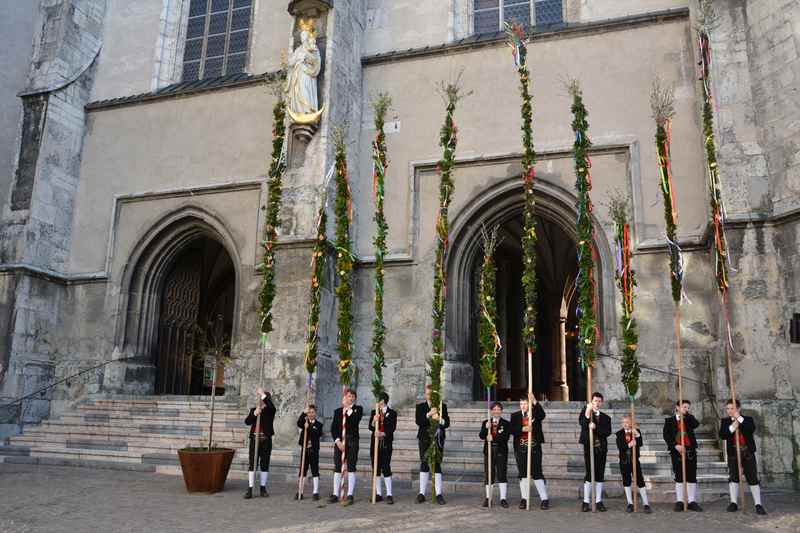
[135,144]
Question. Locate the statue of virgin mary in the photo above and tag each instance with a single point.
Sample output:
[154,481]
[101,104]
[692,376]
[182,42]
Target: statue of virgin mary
[301,82]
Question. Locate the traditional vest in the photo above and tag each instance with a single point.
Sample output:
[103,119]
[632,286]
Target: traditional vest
[682,437]
[524,436]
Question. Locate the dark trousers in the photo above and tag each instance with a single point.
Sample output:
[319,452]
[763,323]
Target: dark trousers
[499,467]
[748,465]
[312,462]
[600,453]
[521,455]
[384,457]
[626,469]
[264,452]
[423,464]
[691,466]
[351,453]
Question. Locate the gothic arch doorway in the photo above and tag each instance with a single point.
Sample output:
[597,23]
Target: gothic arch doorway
[557,374]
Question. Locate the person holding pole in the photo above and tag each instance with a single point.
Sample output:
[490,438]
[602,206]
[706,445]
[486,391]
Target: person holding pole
[384,422]
[520,423]
[495,433]
[310,434]
[425,415]
[260,419]
[344,431]
[629,445]
[600,425]
[735,426]
[681,442]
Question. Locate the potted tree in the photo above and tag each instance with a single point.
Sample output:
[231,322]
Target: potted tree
[205,468]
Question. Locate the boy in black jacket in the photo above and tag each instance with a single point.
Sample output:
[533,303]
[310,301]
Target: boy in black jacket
[681,440]
[747,446]
[310,431]
[495,433]
[344,430]
[384,422]
[628,439]
[261,430]
[600,423]
[427,414]
[519,428]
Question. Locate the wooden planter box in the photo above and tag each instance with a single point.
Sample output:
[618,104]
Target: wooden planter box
[205,471]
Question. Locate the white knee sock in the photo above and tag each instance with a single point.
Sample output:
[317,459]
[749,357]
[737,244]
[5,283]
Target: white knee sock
[733,489]
[629,495]
[316,484]
[438,479]
[388,482]
[503,491]
[643,494]
[679,492]
[541,487]
[692,492]
[488,491]
[351,483]
[587,492]
[251,478]
[337,483]
[264,477]
[424,478]
[755,490]
[598,496]
[523,488]
[378,489]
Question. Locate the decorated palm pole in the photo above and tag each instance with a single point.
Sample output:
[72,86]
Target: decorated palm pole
[585,282]
[719,246]
[343,209]
[488,339]
[312,331]
[266,295]
[626,282]
[379,162]
[451,93]
[517,42]
[662,104]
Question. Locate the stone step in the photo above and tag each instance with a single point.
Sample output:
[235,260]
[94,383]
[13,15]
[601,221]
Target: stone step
[86,463]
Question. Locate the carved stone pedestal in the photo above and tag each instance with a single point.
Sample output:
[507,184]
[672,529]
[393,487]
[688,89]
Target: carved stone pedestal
[301,135]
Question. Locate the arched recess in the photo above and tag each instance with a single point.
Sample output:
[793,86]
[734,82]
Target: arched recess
[502,205]
[186,251]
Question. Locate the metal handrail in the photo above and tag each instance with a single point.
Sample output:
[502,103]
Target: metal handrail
[62,380]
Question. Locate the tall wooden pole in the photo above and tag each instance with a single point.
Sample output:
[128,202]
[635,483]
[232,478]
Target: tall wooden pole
[736,434]
[530,428]
[634,485]
[301,483]
[375,457]
[681,425]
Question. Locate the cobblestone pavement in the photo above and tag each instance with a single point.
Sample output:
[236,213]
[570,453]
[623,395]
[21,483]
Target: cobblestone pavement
[54,499]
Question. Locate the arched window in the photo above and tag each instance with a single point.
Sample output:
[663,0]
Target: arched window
[217,38]
[488,16]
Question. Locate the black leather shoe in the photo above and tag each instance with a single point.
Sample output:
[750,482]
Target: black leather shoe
[297,496]
[440,499]
[694,506]
[485,502]
[378,498]
[315,497]
[389,500]
[350,501]
[678,507]
[601,507]
[333,499]
[263,492]
[629,508]
[732,507]
[504,504]
[249,494]
[585,507]
[523,504]
[545,505]
[647,509]
[760,510]
[420,498]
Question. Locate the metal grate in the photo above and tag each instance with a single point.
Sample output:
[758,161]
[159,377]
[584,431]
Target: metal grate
[217,38]
[488,14]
